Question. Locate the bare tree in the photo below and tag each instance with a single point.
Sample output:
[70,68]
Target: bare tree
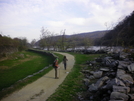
[47,39]
[87,42]
[73,42]
[63,40]
[33,42]
[44,38]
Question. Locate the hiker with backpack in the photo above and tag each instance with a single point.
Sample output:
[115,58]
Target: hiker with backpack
[65,62]
[55,65]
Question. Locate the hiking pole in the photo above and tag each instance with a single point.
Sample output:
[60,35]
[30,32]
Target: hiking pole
[59,72]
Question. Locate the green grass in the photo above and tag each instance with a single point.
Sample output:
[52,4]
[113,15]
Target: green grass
[68,90]
[20,67]
[16,68]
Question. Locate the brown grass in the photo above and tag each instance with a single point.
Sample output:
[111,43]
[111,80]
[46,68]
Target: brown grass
[19,62]
[3,67]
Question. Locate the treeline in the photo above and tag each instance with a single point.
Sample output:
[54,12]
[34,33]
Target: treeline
[121,35]
[49,40]
[9,45]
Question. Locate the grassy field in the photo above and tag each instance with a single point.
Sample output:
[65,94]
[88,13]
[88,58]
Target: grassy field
[73,84]
[20,65]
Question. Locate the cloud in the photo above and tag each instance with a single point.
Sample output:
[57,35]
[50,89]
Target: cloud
[26,17]
[76,21]
[55,23]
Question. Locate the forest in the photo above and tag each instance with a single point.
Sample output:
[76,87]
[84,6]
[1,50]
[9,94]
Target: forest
[121,35]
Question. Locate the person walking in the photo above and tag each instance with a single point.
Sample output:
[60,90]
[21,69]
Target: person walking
[56,67]
[65,62]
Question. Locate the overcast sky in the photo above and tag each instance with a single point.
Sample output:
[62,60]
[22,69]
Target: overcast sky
[25,18]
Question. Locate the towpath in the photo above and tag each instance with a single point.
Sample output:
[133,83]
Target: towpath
[42,88]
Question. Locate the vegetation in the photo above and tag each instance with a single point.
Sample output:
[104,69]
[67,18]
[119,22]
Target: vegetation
[9,45]
[18,66]
[121,34]
[63,42]
[73,84]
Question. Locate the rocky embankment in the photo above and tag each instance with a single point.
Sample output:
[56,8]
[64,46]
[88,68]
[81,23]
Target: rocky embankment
[111,80]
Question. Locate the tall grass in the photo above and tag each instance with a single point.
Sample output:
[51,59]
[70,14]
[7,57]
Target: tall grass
[69,89]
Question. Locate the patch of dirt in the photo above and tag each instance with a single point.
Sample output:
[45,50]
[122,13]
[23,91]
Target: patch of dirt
[2,59]
[4,67]
[24,60]
[28,59]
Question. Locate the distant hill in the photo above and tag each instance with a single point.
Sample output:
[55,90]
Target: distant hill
[76,39]
[91,35]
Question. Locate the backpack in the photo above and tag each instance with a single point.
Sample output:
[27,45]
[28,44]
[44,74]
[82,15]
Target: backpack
[54,64]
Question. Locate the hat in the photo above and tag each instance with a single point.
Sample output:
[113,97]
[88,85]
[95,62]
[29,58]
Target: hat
[57,58]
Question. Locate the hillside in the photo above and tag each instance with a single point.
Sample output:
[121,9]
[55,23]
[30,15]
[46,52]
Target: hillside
[121,35]
[71,40]
[91,35]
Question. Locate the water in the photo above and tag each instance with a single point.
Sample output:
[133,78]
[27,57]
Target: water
[90,48]
[96,48]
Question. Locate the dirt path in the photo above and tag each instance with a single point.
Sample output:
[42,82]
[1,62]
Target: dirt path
[41,89]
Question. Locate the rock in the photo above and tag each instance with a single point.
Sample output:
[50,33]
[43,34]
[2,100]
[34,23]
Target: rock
[93,88]
[98,84]
[106,61]
[114,64]
[111,74]
[91,97]
[119,96]
[126,59]
[106,98]
[85,71]
[116,100]
[91,72]
[131,67]
[97,74]
[132,90]
[104,69]
[86,81]
[131,97]
[91,77]
[121,89]
[123,55]
[92,63]
[114,81]
[120,67]
[120,72]
[88,72]
[116,55]
[126,78]
[123,65]
[98,60]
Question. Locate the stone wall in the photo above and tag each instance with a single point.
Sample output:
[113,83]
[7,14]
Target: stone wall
[43,52]
[113,79]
